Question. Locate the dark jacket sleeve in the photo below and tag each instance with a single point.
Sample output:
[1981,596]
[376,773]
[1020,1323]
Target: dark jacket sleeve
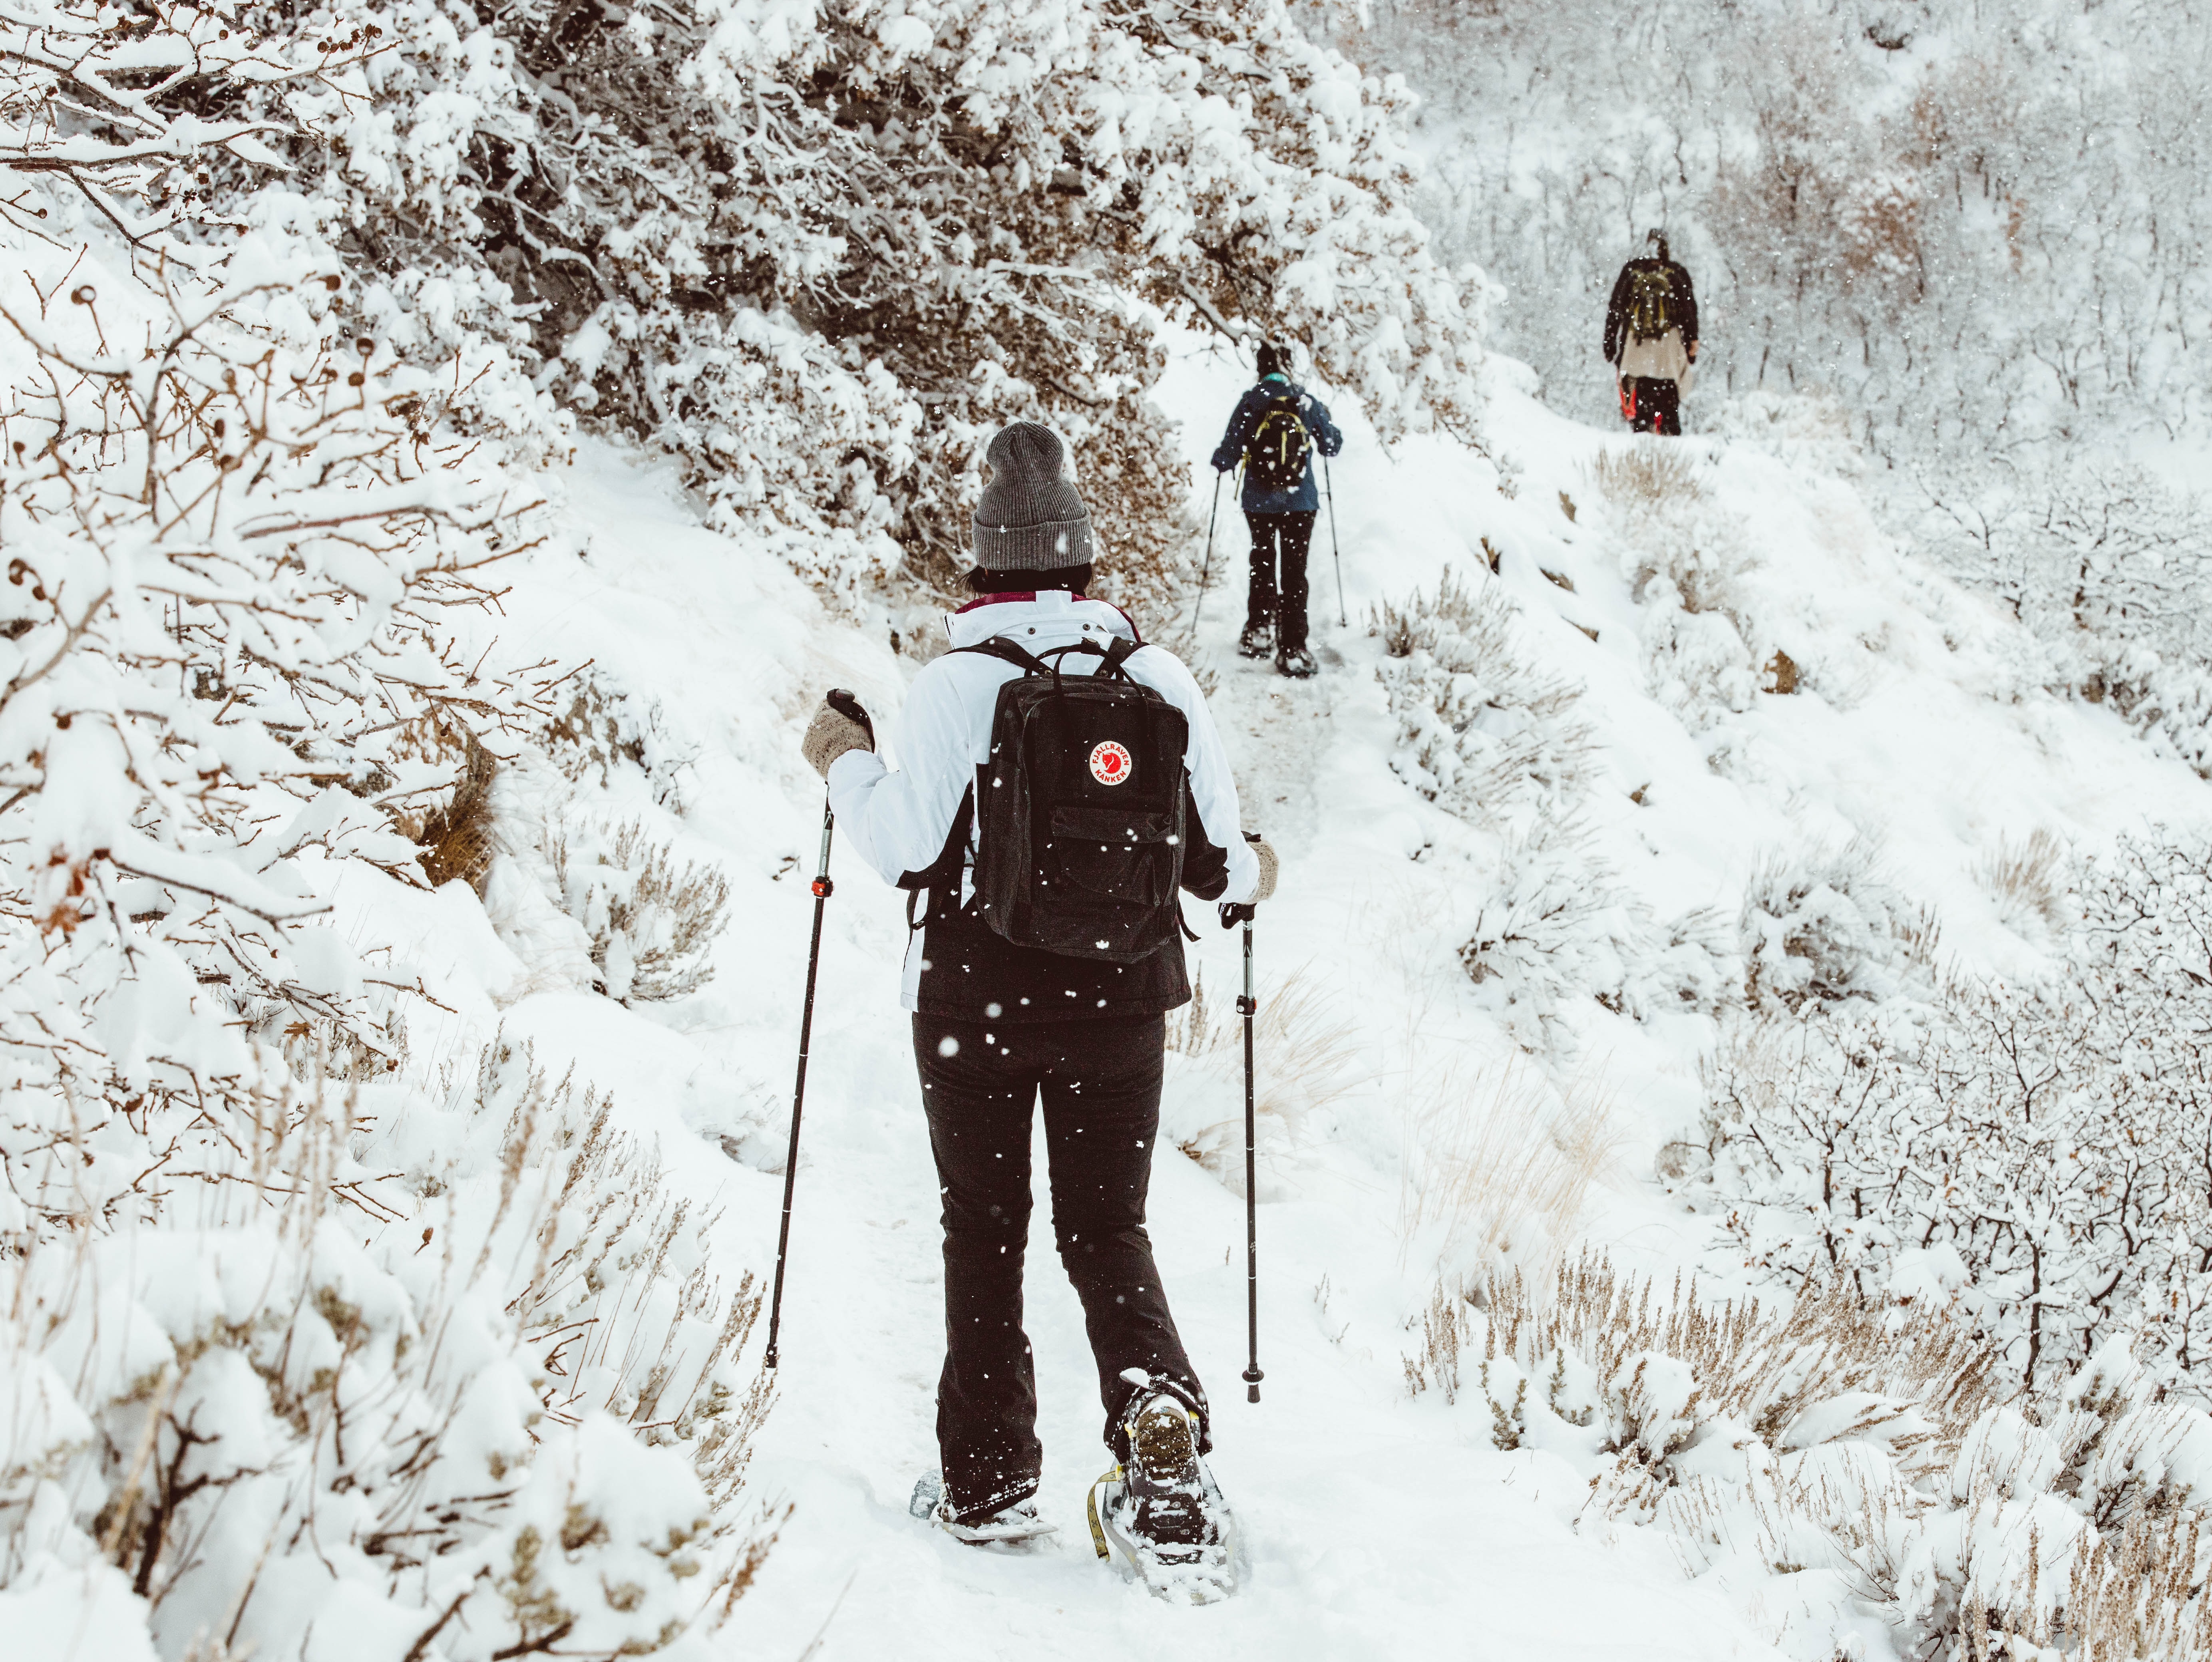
[1232,448]
[1324,430]
[1205,863]
[1616,316]
[1681,285]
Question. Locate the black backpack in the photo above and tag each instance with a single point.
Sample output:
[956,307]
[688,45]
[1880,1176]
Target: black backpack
[1276,454]
[1652,296]
[1079,810]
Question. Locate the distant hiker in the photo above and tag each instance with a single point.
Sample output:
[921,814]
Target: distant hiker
[1060,781]
[1274,433]
[1651,338]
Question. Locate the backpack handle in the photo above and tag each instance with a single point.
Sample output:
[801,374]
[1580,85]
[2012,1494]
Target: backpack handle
[1007,651]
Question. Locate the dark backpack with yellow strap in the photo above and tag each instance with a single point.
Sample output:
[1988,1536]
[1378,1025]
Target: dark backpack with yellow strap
[1651,303]
[1276,455]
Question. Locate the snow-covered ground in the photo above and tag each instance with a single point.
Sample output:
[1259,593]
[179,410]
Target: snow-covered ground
[1369,1517]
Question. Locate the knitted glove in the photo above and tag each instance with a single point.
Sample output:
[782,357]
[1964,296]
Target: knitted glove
[1241,913]
[841,725]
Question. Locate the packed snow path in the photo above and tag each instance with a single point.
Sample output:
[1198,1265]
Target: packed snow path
[1370,1521]
[1367,1520]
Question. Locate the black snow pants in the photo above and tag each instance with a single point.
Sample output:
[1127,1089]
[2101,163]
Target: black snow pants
[1280,541]
[1100,1084]
[1655,405]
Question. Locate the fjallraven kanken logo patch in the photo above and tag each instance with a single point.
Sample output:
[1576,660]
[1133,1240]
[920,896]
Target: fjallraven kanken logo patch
[1110,763]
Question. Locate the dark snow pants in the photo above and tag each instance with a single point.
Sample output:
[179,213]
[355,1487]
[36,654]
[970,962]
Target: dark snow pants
[1280,541]
[1655,405]
[1100,1084]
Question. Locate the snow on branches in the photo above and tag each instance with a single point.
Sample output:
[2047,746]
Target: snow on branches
[236,548]
[819,255]
[1850,1470]
[241,1402]
[2036,1156]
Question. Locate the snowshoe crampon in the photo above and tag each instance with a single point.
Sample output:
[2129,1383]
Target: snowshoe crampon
[1011,1526]
[1161,1517]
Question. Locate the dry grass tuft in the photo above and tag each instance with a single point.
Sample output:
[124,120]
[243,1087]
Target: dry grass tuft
[1303,1053]
[1504,1163]
[1645,475]
[2025,879]
[652,919]
[457,839]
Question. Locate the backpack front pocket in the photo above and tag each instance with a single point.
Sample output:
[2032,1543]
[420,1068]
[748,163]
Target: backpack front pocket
[1132,858]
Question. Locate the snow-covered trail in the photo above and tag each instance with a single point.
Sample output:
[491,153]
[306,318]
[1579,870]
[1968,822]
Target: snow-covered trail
[1370,1519]
[1367,1518]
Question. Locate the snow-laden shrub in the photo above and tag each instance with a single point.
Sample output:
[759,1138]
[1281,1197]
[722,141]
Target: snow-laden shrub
[602,727]
[282,1353]
[2107,567]
[240,549]
[1559,930]
[1851,1466]
[411,1417]
[1820,925]
[818,254]
[2036,1153]
[1481,732]
[1498,1163]
[652,920]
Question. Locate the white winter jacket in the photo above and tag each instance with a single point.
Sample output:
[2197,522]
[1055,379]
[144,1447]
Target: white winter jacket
[899,820]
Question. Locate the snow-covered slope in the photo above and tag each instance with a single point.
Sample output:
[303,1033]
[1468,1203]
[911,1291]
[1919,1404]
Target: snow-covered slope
[1371,1518]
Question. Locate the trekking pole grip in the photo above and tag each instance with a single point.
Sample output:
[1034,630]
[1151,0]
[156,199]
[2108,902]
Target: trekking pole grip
[823,888]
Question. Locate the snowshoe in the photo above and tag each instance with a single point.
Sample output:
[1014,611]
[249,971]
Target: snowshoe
[1161,1518]
[1009,1526]
[1257,640]
[1295,661]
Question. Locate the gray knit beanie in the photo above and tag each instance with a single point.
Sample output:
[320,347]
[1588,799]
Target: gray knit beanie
[1031,517]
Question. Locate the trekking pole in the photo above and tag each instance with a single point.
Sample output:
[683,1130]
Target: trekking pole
[1205,572]
[823,890]
[1334,552]
[1248,1006]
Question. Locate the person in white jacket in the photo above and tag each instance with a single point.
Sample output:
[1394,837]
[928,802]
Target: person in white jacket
[996,1025]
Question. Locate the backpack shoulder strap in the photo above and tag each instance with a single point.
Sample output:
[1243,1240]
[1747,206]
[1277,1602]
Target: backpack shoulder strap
[941,877]
[1006,652]
[1118,652]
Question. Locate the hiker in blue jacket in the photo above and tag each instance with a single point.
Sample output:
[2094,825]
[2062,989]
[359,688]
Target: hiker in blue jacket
[1274,432]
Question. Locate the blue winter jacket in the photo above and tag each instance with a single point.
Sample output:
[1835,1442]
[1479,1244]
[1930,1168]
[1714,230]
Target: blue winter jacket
[1306,499]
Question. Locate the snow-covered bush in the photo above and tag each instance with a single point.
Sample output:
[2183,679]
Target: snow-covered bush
[2026,878]
[1559,930]
[603,726]
[1842,1466]
[651,920]
[282,1409]
[1684,562]
[2036,1155]
[1481,731]
[2108,567]
[818,254]
[241,555]
[292,1348]
[1820,925]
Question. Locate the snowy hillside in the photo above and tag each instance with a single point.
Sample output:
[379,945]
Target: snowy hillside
[1734,1044]
[1398,1101]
